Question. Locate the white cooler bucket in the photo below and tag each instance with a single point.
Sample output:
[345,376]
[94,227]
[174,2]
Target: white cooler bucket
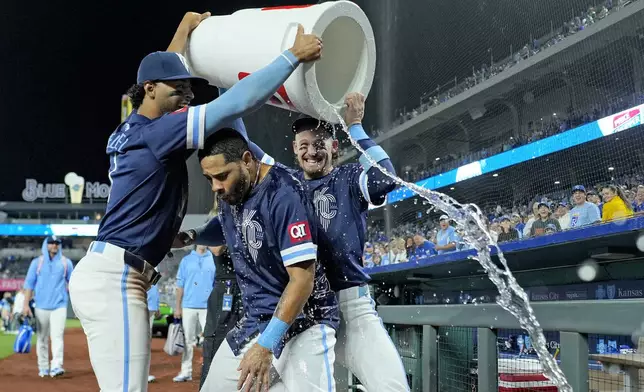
[225,49]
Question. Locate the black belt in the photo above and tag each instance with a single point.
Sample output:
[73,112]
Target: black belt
[146,269]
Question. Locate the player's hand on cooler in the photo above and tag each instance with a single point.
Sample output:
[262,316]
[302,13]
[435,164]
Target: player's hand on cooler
[191,20]
[353,108]
[255,369]
[307,47]
[26,311]
[183,239]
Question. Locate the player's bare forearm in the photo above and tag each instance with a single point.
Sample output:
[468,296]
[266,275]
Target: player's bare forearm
[297,291]
[179,296]
[28,294]
[189,22]
[179,41]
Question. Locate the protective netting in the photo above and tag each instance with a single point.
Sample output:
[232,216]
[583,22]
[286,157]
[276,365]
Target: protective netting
[530,103]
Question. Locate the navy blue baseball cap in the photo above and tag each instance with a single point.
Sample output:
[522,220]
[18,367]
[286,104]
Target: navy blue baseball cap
[580,188]
[165,66]
[544,203]
[54,240]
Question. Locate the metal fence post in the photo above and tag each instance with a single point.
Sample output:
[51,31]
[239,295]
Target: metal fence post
[487,360]
[574,359]
[429,358]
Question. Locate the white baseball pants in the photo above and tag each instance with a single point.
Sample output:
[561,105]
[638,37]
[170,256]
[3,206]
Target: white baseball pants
[193,322]
[364,346]
[50,323]
[306,364]
[110,299]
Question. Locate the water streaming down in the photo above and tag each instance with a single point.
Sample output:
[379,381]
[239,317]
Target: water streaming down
[512,297]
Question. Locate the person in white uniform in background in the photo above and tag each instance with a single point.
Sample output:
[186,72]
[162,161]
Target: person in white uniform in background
[18,306]
[195,281]
[153,308]
[47,278]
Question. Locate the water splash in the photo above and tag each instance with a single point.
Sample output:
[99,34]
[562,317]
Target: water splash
[512,297]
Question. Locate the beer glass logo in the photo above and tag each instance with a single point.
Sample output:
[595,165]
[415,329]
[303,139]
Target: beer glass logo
[76,186]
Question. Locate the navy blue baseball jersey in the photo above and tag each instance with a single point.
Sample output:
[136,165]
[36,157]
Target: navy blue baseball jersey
[341,213]
[149,179]
[270,231]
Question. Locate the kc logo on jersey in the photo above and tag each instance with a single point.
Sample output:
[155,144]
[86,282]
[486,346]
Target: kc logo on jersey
[325,206]
[252,233]
[299,231]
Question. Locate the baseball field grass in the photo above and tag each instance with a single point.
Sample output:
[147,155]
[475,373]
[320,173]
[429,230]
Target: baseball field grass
[7,339]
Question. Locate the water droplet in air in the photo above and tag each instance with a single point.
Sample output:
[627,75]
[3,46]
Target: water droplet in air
[587,271]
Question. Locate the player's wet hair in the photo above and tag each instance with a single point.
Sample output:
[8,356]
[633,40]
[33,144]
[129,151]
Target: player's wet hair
[136,94]
[225,141]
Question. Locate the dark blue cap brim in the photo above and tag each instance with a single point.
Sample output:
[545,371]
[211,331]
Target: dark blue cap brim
[193,79]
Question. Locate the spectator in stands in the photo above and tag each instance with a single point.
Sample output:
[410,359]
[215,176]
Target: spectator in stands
[48,276]
[383,254]
[584,212]
[528,226]
[615,205]
[424,248]
[507,232]
[410,247]
[367,256]
[446,238]
[638,203]
[517,224]
[544,219]
[562,215]
[397,251]
[594,198]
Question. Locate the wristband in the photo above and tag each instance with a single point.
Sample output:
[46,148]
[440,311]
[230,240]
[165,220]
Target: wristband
[273,333]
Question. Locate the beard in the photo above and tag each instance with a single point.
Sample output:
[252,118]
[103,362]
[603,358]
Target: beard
[239,191]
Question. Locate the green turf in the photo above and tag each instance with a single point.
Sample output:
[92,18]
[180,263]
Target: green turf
[6,340]
[6,344]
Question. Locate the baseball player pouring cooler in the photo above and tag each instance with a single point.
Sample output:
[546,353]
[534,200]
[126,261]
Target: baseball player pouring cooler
[341,196]
[47,278]
[148,198]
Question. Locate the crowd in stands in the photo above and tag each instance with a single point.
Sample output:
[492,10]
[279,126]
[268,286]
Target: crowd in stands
[435,98]
[556,124]
[558,211]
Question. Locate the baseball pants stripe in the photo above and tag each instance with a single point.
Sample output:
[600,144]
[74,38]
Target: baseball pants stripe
[364,346]
[306,364]
[110,300]
[50,323]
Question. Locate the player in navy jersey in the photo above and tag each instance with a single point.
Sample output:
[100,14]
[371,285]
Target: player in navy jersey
[264,219]
[148,197]
[341,195]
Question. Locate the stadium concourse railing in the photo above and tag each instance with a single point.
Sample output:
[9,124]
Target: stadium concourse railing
[414,328]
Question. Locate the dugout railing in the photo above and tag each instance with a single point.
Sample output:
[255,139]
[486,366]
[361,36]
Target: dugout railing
[416,335]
